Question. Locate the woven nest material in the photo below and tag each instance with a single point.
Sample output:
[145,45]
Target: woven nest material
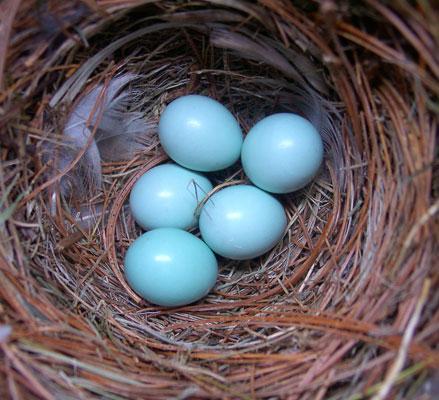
[346,306]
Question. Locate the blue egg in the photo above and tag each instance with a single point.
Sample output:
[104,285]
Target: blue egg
[282,153]
[170,267]
[242,222]
[167,196]
[199,133]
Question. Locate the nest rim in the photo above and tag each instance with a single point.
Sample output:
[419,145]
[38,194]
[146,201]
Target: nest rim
[374,314]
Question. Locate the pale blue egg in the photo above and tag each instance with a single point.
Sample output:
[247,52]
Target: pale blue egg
[167,196]
[242,222]
[170,267]
[199,133]
[282,153]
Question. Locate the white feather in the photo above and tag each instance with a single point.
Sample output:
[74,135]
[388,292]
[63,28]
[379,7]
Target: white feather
[118,133]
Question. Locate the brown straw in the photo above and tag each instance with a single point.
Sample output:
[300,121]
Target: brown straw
[345,307]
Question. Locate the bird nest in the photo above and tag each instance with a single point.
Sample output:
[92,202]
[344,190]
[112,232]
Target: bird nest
[346,306]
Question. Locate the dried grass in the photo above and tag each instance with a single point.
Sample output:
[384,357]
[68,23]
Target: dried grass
[345,307]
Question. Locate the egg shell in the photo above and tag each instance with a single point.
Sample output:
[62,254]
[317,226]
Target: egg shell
[242,222]
[170,267]
[199,133]
[282,153]
[167,196]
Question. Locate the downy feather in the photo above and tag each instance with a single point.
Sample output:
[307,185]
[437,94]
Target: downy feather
[119,133]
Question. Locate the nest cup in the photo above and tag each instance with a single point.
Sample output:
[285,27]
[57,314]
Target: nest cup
[345,306]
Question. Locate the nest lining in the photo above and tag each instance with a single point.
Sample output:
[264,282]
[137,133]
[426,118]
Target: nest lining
[325,313]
